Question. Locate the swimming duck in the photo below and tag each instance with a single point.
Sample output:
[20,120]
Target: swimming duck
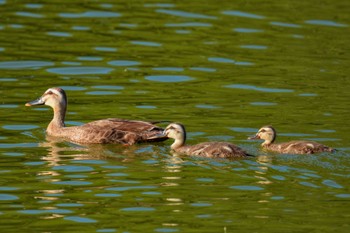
[206,149]
[104,131]
[268,133]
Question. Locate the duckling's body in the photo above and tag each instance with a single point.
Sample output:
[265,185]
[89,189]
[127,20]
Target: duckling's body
[205,149]
[268,133]
[104,131]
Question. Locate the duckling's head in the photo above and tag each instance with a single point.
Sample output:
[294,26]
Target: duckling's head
[267,133]
[176,131]
[54,97]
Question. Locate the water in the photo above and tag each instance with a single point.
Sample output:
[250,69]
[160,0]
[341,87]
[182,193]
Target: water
[223,70]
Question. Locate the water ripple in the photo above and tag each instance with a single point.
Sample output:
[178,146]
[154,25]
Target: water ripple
[106,49]
[24,64]
[20,127]
[221,60]
[331,183]
[70,168]
[72,182]
[51,211]
[177,69]
[80,219]
[34,5]
[263,103]
[91,14]
[185,14]
[128,188]
[137,209]
[325,23]
[262,89]
[188,24]
[247,187]
[18,145]
[8,197]
[159,5]
[90,161]
[290,25]
[80,70]
[168,78]
[146,43]
[29,14]
[59,34]
[259,47]
[243,14]
[203,69]
[247,30]
[309,184]
[123,63]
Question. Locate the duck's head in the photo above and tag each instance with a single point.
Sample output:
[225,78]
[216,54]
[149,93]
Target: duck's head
[267,133]
[176,131]
[54,97]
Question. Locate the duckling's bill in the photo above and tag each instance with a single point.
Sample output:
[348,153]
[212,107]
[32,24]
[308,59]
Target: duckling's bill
[254,137]
[35,102]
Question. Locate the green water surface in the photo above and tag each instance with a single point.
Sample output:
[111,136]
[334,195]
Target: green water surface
[222,68]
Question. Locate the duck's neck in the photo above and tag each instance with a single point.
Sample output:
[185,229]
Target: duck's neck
[266,143]
[269,141]
[179,142]
[57,123]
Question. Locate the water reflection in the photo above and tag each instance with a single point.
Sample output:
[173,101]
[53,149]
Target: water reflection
[24,64]
[80,70]
[289,25]
[91,14]
[243,14]
[29,14]
[185,14]
[262,89]
[325,23]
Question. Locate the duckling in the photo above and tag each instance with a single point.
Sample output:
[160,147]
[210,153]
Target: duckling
[206,149]
[268,133]
[111,130]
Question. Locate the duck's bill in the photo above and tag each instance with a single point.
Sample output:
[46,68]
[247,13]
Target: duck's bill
[254,137]
[158,137]
[161,135]
[35,102]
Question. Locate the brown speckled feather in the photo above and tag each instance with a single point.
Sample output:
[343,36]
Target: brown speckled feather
[110,131]
[213,150]
[299,147]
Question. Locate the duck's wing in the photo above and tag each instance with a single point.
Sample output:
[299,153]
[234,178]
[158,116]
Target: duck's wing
[115,130]
[126,125]
[217,150]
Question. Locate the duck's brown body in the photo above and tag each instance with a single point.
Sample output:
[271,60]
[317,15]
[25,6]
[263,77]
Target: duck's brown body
[268,133]
[205,149]
[213,150]
[104,131]
[298,147]
[108,131]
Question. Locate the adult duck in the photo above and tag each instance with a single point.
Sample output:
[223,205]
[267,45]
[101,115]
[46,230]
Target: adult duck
[206,149]
[104,131]
[268,134]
